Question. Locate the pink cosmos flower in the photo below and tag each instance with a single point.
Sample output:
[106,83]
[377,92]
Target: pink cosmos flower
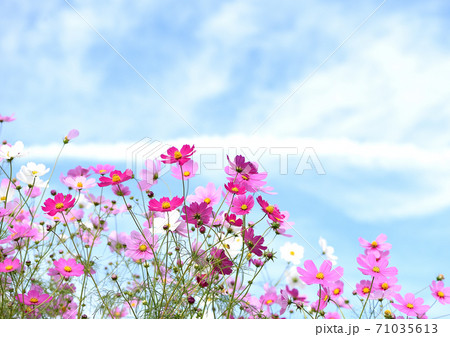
[324,276]
[77,171]
[336,289]
[386,287]
[68,267]
[254,243]
[375,268]
[79,183]
[21,231]
[270,297]
[9,265]
[150,175]
[322,302]
[332,315]
[208,194]
[141,247]
[7,118]
[118,313]
[252,182]
[121,190]
[58,205]
[364,287]
[235,188]
[242,204]
[377,246]
[102,169]
[165,204]
[410,305]
[197,214]
[220,262]
[181,156]
[439,292]
[189,169]
[117,241]
[34,297]
[116,177]
[272,211]
[74,133]
[240,166]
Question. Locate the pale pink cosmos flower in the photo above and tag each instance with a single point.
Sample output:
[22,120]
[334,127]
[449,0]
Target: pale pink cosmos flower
[69,267]
[377,246]
[117,241]
[74,133]
[150,175]
[118,313]
[364,288]
[102,169]
[34,297]
[80,182]
[8,265]
[141,247]
[208,194]
[189,169]
[332,315]
[386,287]
[7,118]
[440,293]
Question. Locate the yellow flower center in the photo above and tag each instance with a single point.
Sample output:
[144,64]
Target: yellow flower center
[59,205]
[207,200]
[115,178]
[34,300]
[3,198]
[441,294]
[33,173]
[325,298]
[320,276]
[177,155]
[270,209]
[235,189]
[269,301]
[117,313]
[337,291]
[374,244]
[385,286]
[68,269]
[388,313]
[142,248]
[101,171]
[9,267]
[244,207]
[244,177]
[80,185]
[292,252]
[376,269]
[366,290]
[186,173]
[165,205]
[410,306]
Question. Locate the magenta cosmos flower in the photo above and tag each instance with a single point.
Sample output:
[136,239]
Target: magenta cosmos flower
[220,262]
[116,177]
[253,242]
[34,297]
[187,171]
[233,220]
[141,247]
[9,265]
[68,267]
[242,204]
[324,276]
[410,305]
[235,188]
[272,211]
[377,246]
[439,292]
[59,204]
[375,268]
[240,166]
[181,156]
[165,204]
[197,214]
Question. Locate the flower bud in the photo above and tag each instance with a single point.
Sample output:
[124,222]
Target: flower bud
[202,230]
[440,277]
[53,192]
[191,300]
[114,277]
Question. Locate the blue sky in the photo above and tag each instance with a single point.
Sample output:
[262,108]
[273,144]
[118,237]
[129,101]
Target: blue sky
[377,113]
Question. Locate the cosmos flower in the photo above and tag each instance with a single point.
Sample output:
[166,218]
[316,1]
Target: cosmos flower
[377,246]
[370,266]
[178,156]
[116,177]
[58,205]
[189,169]
[208,194]
[292,252]
[323,276]
[242,204]
[9,265]
[439,292]
[410,305]
[69,267]
[165,204]
[10,152]
[254,242]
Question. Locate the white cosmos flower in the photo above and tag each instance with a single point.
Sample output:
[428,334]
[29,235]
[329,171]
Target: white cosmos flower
[83,202]
[12,151]
[292,252]
[30,174]
[231,244]
[328,251]
[7,194]
[293,278]
[171,219]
